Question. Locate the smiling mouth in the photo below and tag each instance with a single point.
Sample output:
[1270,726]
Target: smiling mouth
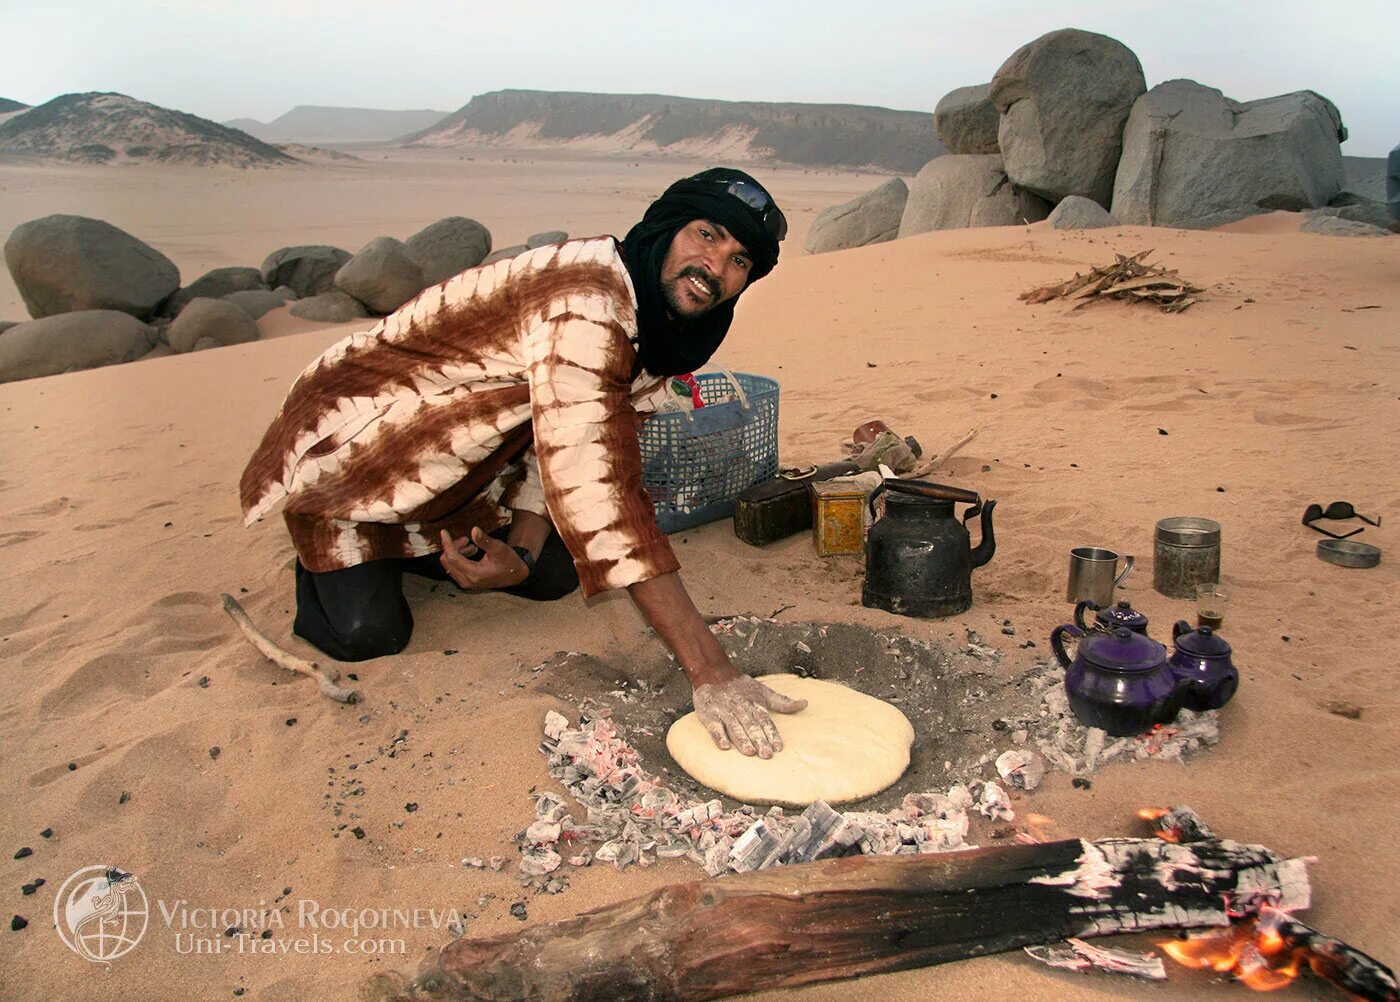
[700,285]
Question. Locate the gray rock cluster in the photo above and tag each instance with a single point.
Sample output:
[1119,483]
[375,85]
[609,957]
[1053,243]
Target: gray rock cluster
[1067,123]
[99,296]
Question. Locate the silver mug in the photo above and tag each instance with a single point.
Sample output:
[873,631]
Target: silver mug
[1093,575]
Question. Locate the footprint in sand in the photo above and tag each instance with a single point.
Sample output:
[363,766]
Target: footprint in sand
[47,508]
[18,536]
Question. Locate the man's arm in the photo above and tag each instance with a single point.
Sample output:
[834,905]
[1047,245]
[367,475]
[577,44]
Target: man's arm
[732,706]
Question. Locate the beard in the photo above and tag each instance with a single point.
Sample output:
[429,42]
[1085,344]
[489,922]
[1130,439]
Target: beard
[678,301]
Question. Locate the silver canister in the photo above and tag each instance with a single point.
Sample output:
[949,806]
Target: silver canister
[1186,554]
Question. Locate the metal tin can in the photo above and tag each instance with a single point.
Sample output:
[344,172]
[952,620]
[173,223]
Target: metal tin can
[838,517]
[1186,554]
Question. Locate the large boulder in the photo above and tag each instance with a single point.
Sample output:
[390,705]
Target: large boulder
[256,302]
[333,307]
[215,285]
[382,275]
[871,218]
[1080,213]
[514,250]
[448,247]
[957,191]
[1358,210]
[966,120]
[1194,158]
[7,324]
[1063,99]
[210,323]
[547,237]
[85,339]
[1336,226]
[65,263]
[306,270]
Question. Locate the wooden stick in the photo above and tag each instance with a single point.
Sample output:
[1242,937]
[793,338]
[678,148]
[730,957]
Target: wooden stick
[848,917]
[1348,968]
[943,456]
[325,679]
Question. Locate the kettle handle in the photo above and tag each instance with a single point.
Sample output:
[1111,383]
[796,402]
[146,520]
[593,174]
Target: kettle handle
[928,489]
[1057,643]
[1180,627]
[1079,610]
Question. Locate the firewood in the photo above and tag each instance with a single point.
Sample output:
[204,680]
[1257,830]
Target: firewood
[858,915]
[325,679]
[1128,278]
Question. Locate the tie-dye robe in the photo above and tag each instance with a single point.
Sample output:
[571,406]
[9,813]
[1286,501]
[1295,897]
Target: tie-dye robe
[375,433]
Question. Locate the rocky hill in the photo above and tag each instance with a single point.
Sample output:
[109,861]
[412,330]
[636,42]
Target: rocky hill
[112,128]
[808,135]
[7,106]
[313,124]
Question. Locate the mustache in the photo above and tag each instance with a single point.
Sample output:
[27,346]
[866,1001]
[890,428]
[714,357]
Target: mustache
[710,283]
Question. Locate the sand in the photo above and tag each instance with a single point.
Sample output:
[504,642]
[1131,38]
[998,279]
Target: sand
[121,528]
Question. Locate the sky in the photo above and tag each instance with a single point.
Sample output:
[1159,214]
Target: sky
[259,58]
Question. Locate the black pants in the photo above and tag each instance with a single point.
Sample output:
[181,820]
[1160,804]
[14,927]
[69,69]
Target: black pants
[360,612]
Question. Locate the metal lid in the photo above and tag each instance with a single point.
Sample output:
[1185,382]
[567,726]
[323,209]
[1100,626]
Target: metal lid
[1122,614]
[1187,530]
[1345,553]
[1203,643]
[1122,650]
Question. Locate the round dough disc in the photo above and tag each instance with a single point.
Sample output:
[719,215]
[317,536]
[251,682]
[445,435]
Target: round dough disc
[844,746]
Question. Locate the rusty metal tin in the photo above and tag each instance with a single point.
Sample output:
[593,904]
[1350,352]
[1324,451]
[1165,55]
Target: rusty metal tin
[838,518]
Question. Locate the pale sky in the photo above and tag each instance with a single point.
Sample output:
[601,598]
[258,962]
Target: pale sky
[259,58]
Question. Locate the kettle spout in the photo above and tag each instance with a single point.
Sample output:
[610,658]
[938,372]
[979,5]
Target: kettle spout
[988,544]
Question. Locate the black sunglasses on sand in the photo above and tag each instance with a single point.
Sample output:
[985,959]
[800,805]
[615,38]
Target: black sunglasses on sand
[1337,510]
[760,201]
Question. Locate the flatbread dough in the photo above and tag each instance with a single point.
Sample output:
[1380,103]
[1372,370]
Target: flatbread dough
[844,746]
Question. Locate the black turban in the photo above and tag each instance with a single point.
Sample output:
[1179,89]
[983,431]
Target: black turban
[667,346]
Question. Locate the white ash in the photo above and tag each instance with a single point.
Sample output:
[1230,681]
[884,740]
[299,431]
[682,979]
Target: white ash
[633,817]
[1077,955]
[1023,770]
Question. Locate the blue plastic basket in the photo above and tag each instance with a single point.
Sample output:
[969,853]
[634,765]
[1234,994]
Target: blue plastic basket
[696,463]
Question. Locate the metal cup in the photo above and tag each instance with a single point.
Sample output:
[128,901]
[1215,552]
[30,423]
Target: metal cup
[1093,575]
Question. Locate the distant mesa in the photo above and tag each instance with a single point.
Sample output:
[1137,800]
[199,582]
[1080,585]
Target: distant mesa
[804,135]
[113,128]
[314,124]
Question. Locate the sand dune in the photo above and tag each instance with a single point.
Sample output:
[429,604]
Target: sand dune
[122,528]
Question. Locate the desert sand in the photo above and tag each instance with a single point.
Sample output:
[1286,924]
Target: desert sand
[121,672]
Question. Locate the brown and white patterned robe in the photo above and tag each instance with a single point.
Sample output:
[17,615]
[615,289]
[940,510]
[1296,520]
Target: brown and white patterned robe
[377,432]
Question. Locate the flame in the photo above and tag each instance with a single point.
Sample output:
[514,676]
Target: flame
[1254,952]
[1153,813]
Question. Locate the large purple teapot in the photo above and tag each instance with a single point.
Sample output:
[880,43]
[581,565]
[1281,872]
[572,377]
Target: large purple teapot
[1121,681]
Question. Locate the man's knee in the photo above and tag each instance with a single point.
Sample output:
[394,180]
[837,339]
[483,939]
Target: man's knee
[362,640]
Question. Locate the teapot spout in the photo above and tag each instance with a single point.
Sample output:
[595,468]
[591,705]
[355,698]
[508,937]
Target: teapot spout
[988,544]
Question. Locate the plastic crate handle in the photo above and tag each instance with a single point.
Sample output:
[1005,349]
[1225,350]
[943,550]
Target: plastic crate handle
[738,391]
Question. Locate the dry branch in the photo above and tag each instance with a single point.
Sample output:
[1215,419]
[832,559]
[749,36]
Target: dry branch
[1128,278]
[325,679]
[843,918]
[944,456]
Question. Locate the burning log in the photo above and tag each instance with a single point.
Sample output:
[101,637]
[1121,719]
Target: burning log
[1178,824]
[1268,953]
[858,915]
[1128,278]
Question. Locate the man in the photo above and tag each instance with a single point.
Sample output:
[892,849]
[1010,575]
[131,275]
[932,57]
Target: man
[1392,183]
[487,432]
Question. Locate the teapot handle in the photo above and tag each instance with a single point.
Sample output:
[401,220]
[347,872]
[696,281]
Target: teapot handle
[1058,645]
[1180,627]
[1086,604]
[928,489]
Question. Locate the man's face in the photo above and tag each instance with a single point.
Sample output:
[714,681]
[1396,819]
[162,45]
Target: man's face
[704,267]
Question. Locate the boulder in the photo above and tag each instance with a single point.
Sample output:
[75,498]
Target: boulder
[448,247]
[7,324]
[215,285]
[84,339]
[381,275]
[871,218]
[1336,226]
[1194,158]
[545,238]
[1357,209]
[61,264]
[333,307]
[306,270]
[1063,99]
[256,302]
[966,120]
[961,190]
[210,323]
[514,250]
[1079,213]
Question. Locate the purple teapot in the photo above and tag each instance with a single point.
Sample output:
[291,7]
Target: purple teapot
[1107,619]
[1120,681]
[1202,665]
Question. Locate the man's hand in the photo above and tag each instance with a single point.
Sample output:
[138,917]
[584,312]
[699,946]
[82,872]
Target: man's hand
[498,567]
[735,711]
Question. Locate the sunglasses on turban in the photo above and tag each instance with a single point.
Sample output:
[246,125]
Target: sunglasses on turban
[1337,510]
[760,201]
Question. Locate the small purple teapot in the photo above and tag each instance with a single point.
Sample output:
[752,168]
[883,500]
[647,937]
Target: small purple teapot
[1202,664]
[1107,619]
[1120,681]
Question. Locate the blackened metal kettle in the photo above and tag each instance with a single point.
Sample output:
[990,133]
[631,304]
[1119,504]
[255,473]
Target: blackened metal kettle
[918,557]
